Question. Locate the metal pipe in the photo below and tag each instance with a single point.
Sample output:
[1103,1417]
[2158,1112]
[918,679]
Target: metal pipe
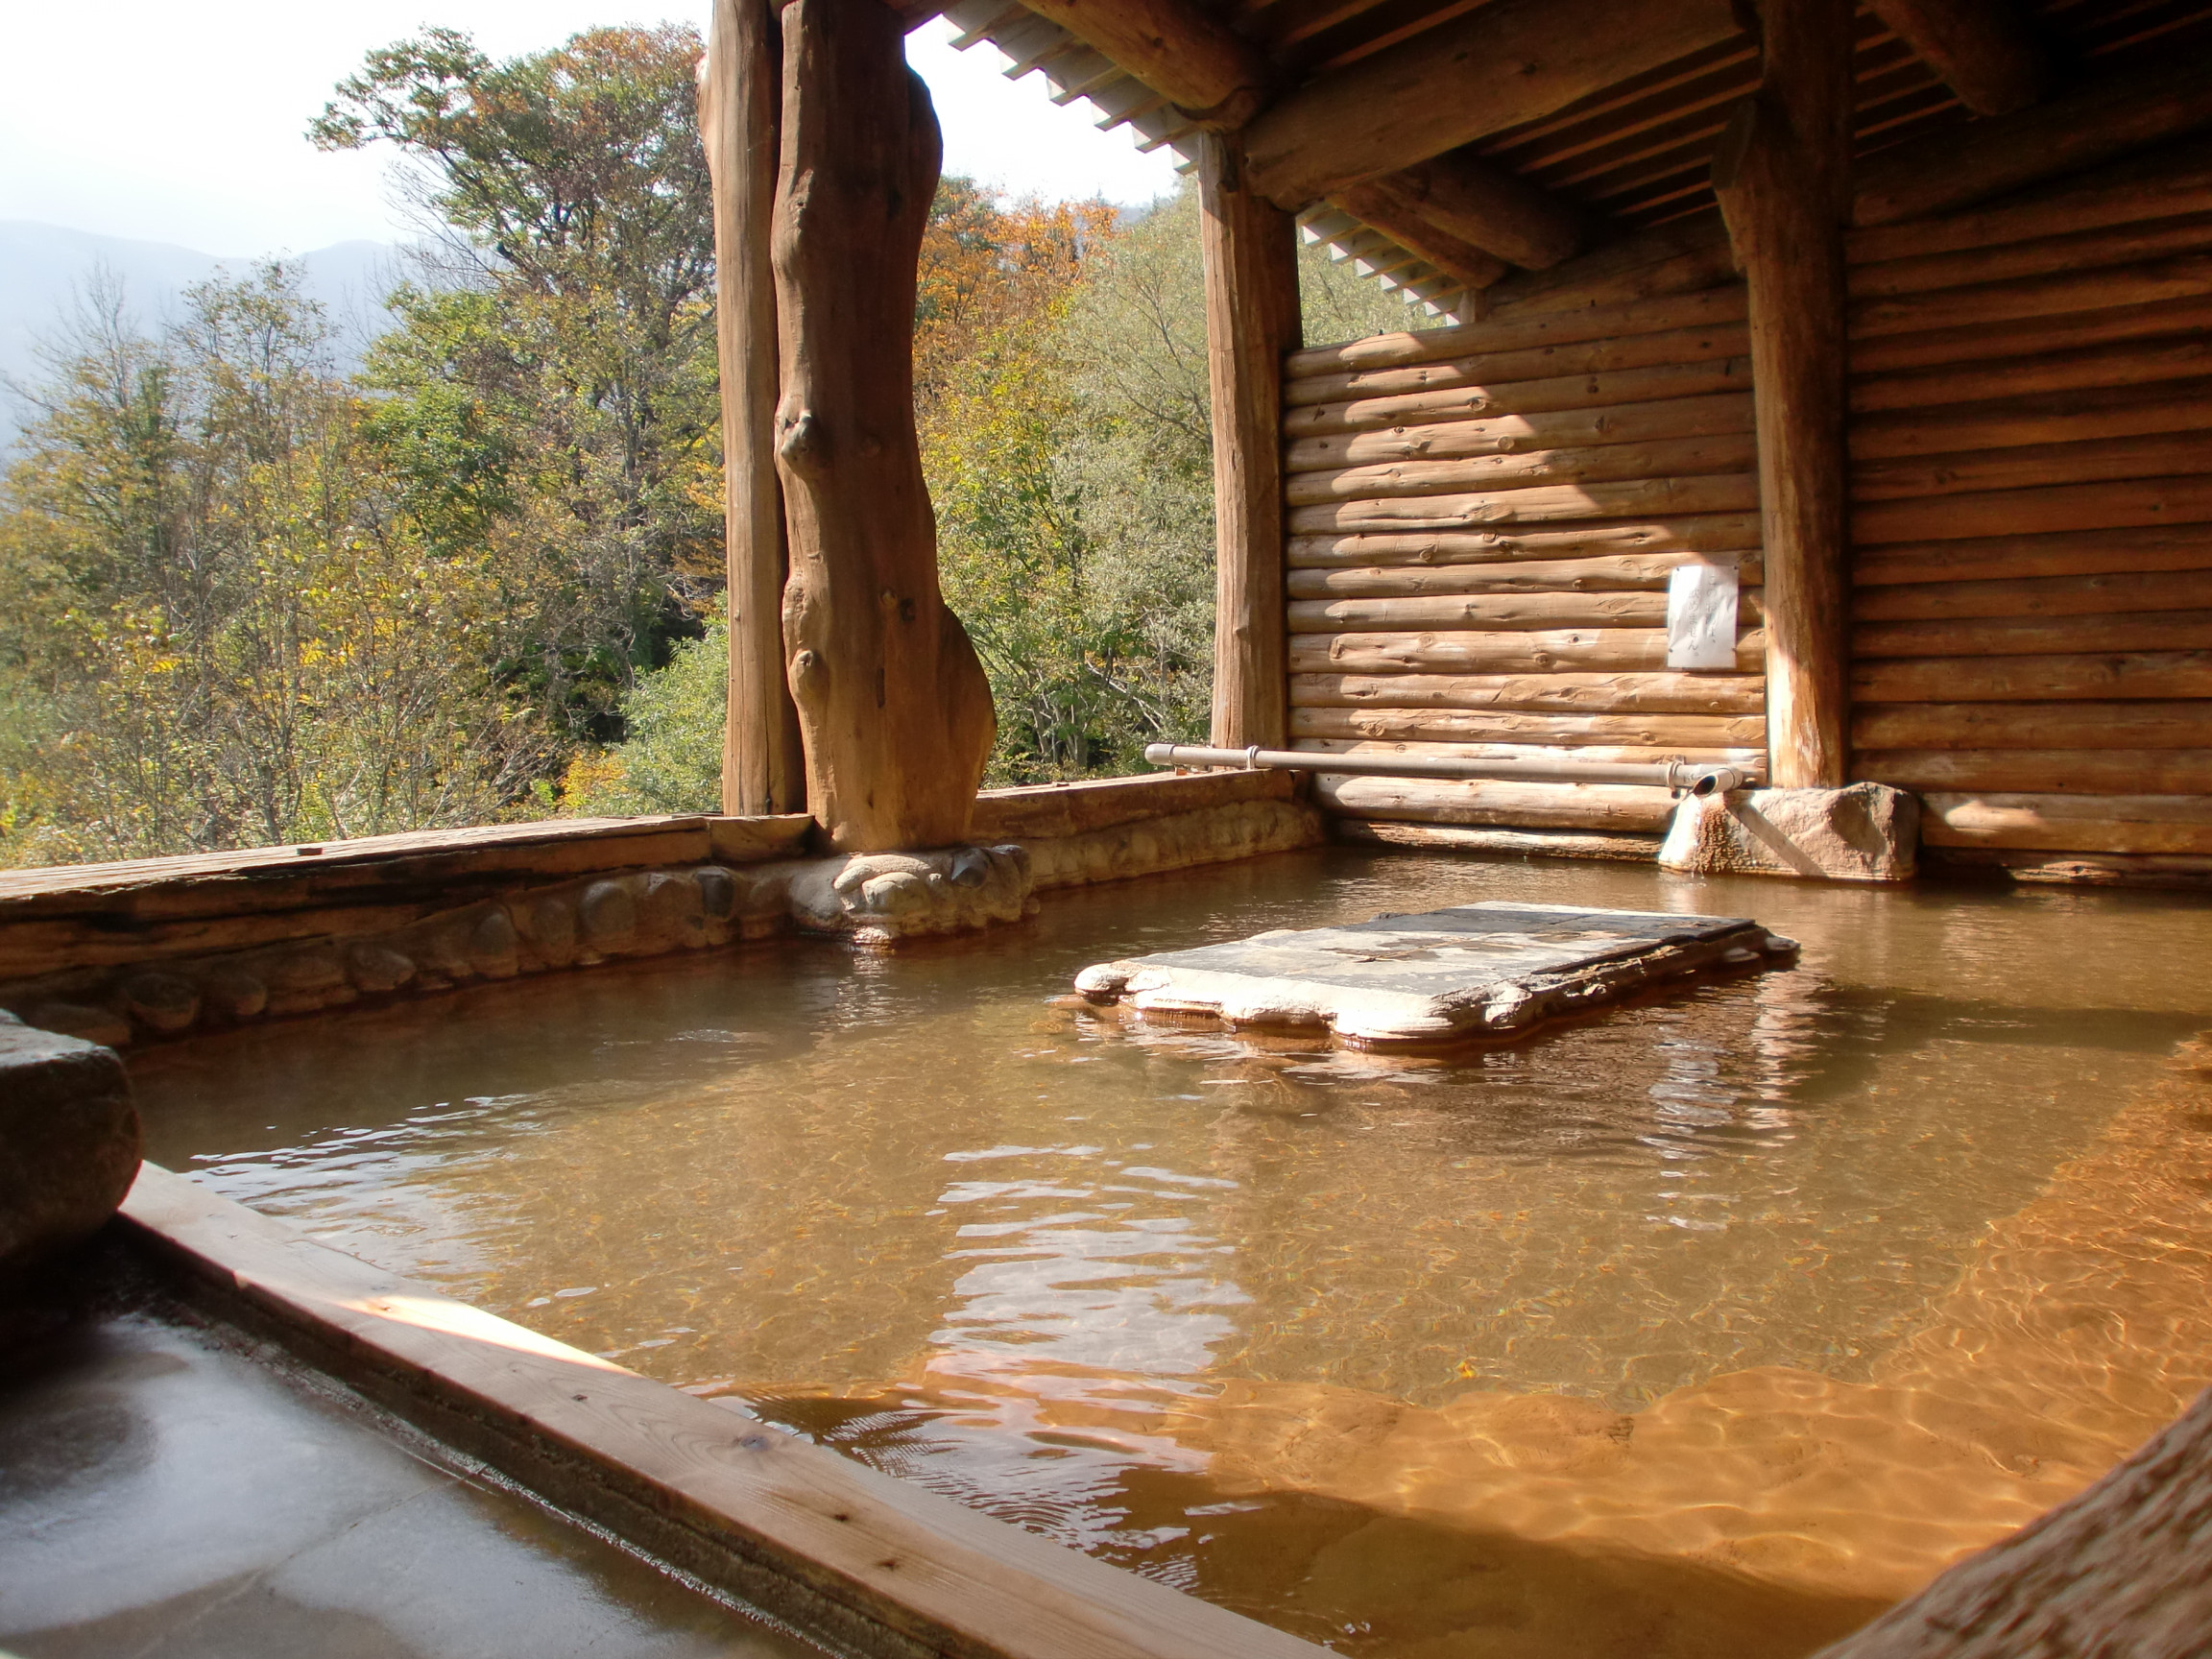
[1686,777]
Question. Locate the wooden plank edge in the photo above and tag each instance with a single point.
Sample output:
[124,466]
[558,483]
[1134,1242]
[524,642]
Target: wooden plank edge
[502,848]
[1072,808]
[857,1559]
[1624,847]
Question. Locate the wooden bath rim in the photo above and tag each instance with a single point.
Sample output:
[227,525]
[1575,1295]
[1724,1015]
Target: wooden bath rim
[858,1562]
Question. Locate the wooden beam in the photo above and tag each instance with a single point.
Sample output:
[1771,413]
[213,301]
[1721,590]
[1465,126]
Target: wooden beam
[893,706]
[1217,78]
[1252,322]
[1979,47]
[2102,122]
[1782,177]
[1493,208]
[1383,209]
[740,120]
[1509,62]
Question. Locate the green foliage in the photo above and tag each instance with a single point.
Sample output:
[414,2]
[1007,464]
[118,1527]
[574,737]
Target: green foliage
[244,601]
[1062,589]
[1340,304]
[671,761]
[565,397]
[219,626]
[1069,452]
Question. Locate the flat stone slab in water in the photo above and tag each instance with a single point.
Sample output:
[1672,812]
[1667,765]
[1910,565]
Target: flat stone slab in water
[1489,970]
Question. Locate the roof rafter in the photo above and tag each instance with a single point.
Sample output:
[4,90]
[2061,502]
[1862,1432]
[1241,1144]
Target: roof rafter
[1981,48]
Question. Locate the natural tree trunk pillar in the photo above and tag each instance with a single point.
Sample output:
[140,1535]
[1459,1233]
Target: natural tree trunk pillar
[1252,322]
[893,706]
[740,93]
[1782,173]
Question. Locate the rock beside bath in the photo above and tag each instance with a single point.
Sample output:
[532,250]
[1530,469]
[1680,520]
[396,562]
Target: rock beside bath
[877,897]
[68,1141]
[1865,832]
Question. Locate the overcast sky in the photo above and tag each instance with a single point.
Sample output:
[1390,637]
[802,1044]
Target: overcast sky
[184,124]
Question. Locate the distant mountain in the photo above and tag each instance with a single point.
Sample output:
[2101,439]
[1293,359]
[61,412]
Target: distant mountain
[42,267]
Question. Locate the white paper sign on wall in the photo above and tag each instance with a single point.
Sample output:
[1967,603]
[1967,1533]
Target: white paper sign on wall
[1702,616]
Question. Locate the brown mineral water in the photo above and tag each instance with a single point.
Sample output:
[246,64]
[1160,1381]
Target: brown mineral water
[1710,1325]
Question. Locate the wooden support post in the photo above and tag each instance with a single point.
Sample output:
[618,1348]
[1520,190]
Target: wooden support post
[1782,173]
[893,706]
[1252,322]
[741,95]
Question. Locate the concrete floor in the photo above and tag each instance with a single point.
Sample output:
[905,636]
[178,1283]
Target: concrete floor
[165,1496]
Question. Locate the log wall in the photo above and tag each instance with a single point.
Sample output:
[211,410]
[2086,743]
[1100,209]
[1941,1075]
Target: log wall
[2032,519]
[1480,525]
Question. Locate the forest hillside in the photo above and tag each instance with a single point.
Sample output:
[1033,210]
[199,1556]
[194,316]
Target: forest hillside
[259,585]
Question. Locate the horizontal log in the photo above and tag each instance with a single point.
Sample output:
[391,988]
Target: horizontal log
[2033,512]
[1701,533]
[1686,257]
[1379,207]
[1484,610]
[2109,117]
[2076,251]
[1541,504]
[1687,311]
[1633,572]
[2061,771]
[2037,596]
[1505,434]
[2172,180]
[2030,467]
[1493,611]
[1660,733]
[1491,207]
[1555,393]
[2134,364]
[2035,635]
[1661,458]
[2084,417]
[2015,558]
[1077,808]
[1536,652]
[1658,694]
[2022,679]
[1620,847]
[2181,277]
[1673,345]
[1751,761]
[2128,823]
[2144,724]
[1977,344]
[1526,806]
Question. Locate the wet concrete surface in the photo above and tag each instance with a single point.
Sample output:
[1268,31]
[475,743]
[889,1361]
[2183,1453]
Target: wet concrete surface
[167,1493]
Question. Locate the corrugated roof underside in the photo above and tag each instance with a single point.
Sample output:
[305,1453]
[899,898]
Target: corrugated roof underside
[1639,153]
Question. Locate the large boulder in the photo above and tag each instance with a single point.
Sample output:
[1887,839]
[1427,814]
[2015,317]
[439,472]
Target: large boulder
[1865,832]
[68,1141]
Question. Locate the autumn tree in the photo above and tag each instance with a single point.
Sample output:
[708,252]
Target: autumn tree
[219,625]
[556,376]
